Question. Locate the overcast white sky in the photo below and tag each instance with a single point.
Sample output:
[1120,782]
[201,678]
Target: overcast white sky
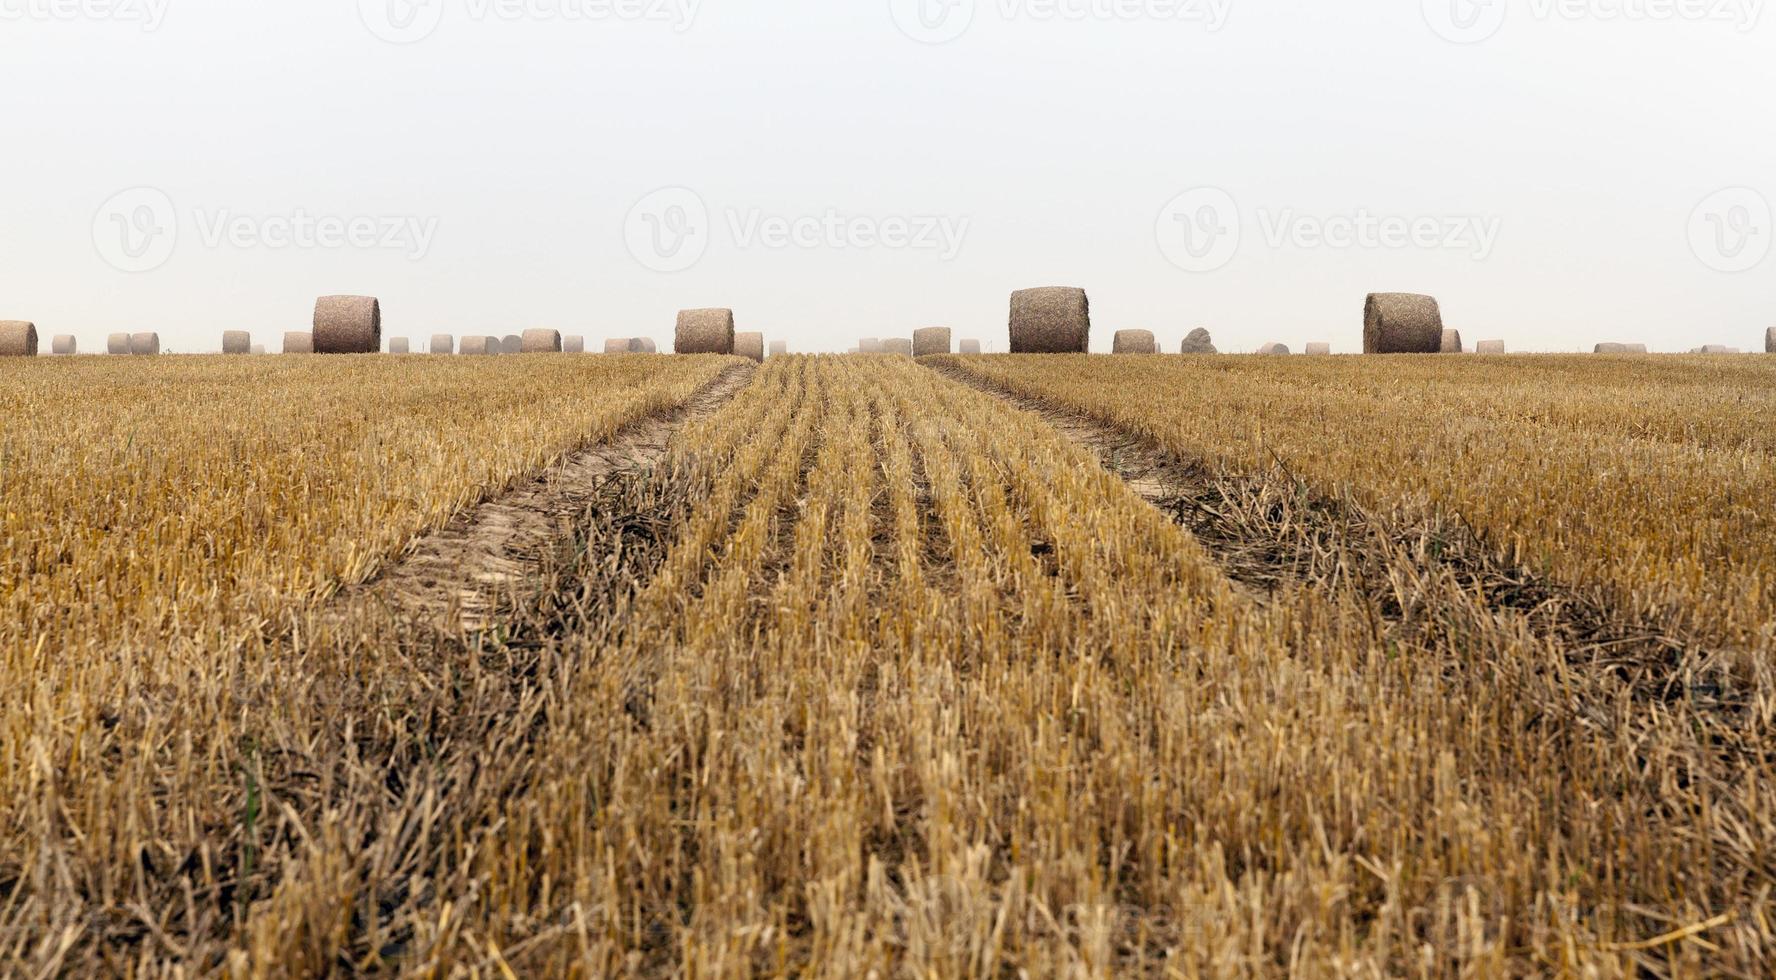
[1580,170]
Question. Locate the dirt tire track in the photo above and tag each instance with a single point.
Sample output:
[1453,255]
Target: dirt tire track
[459,576]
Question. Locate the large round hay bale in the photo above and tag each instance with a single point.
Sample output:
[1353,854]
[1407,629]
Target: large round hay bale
[1770,341]
[299,342]
[257,349]
[901,346]
[1134,342]
[117,343]
[573,345]
[1050,320]
[400,345]
[145,344]
[750,345]
[64,344]
[779,348]
[1274,348]
[476,345]
[237,342]
[347,325]
[1198,342]
[969,347]
[18,338]
[704,332]
[643,345]
[931,340]
[1489,347]
[1614,348]
[619,345]
[511,344]
[1451,343]
[869,345]
[1319,348]
[442,343]
[1402,323]
[540,341]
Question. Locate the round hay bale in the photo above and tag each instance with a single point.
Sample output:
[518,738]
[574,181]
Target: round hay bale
[64,344]
[573,345]
[400,345]
[18,338]
[644,345]
[1489,347]
[117,343]
[750,345]
[1770,341]
[299,342]
[475,345]
[900,346]
[442,343]
[1273,348]
[511,344]
[540,341]
[869,345]
[1319,348]
[1402,323]
[1134,342]
[258,349]
[1050,320]
[347,325]
[1198,342]
[1451,343]
[1614,348]
[931,340]
[704,332]
[779,348]
[237,342]
[146,344]
[969,347]
[620,345]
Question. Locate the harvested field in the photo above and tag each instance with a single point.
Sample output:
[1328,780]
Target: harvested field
[1060,665]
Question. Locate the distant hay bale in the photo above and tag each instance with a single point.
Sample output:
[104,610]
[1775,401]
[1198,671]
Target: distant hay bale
[779,348]
[704,332]
[400,345]
[347,325]
[1770,341]
[299,342]
[18,338]
[511,344]
[1319,348]
[237,342]
[618,345]
[902,346]
[1402,323]
[117,343]
[64,344]
[540,341]
[750,345]
[931,340]
[1134,342]
[643,345]
[969,347]
[1490,347]
[573,345]
[472,345]
[145,344]
[869,345]
[1614,348]
[1452,342]
[442,343]
[257,349]
[1717,349]
[1050,320]
[1273,348]
[1198,342]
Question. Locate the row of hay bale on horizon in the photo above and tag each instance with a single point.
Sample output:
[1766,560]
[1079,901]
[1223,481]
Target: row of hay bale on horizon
[1045,320]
